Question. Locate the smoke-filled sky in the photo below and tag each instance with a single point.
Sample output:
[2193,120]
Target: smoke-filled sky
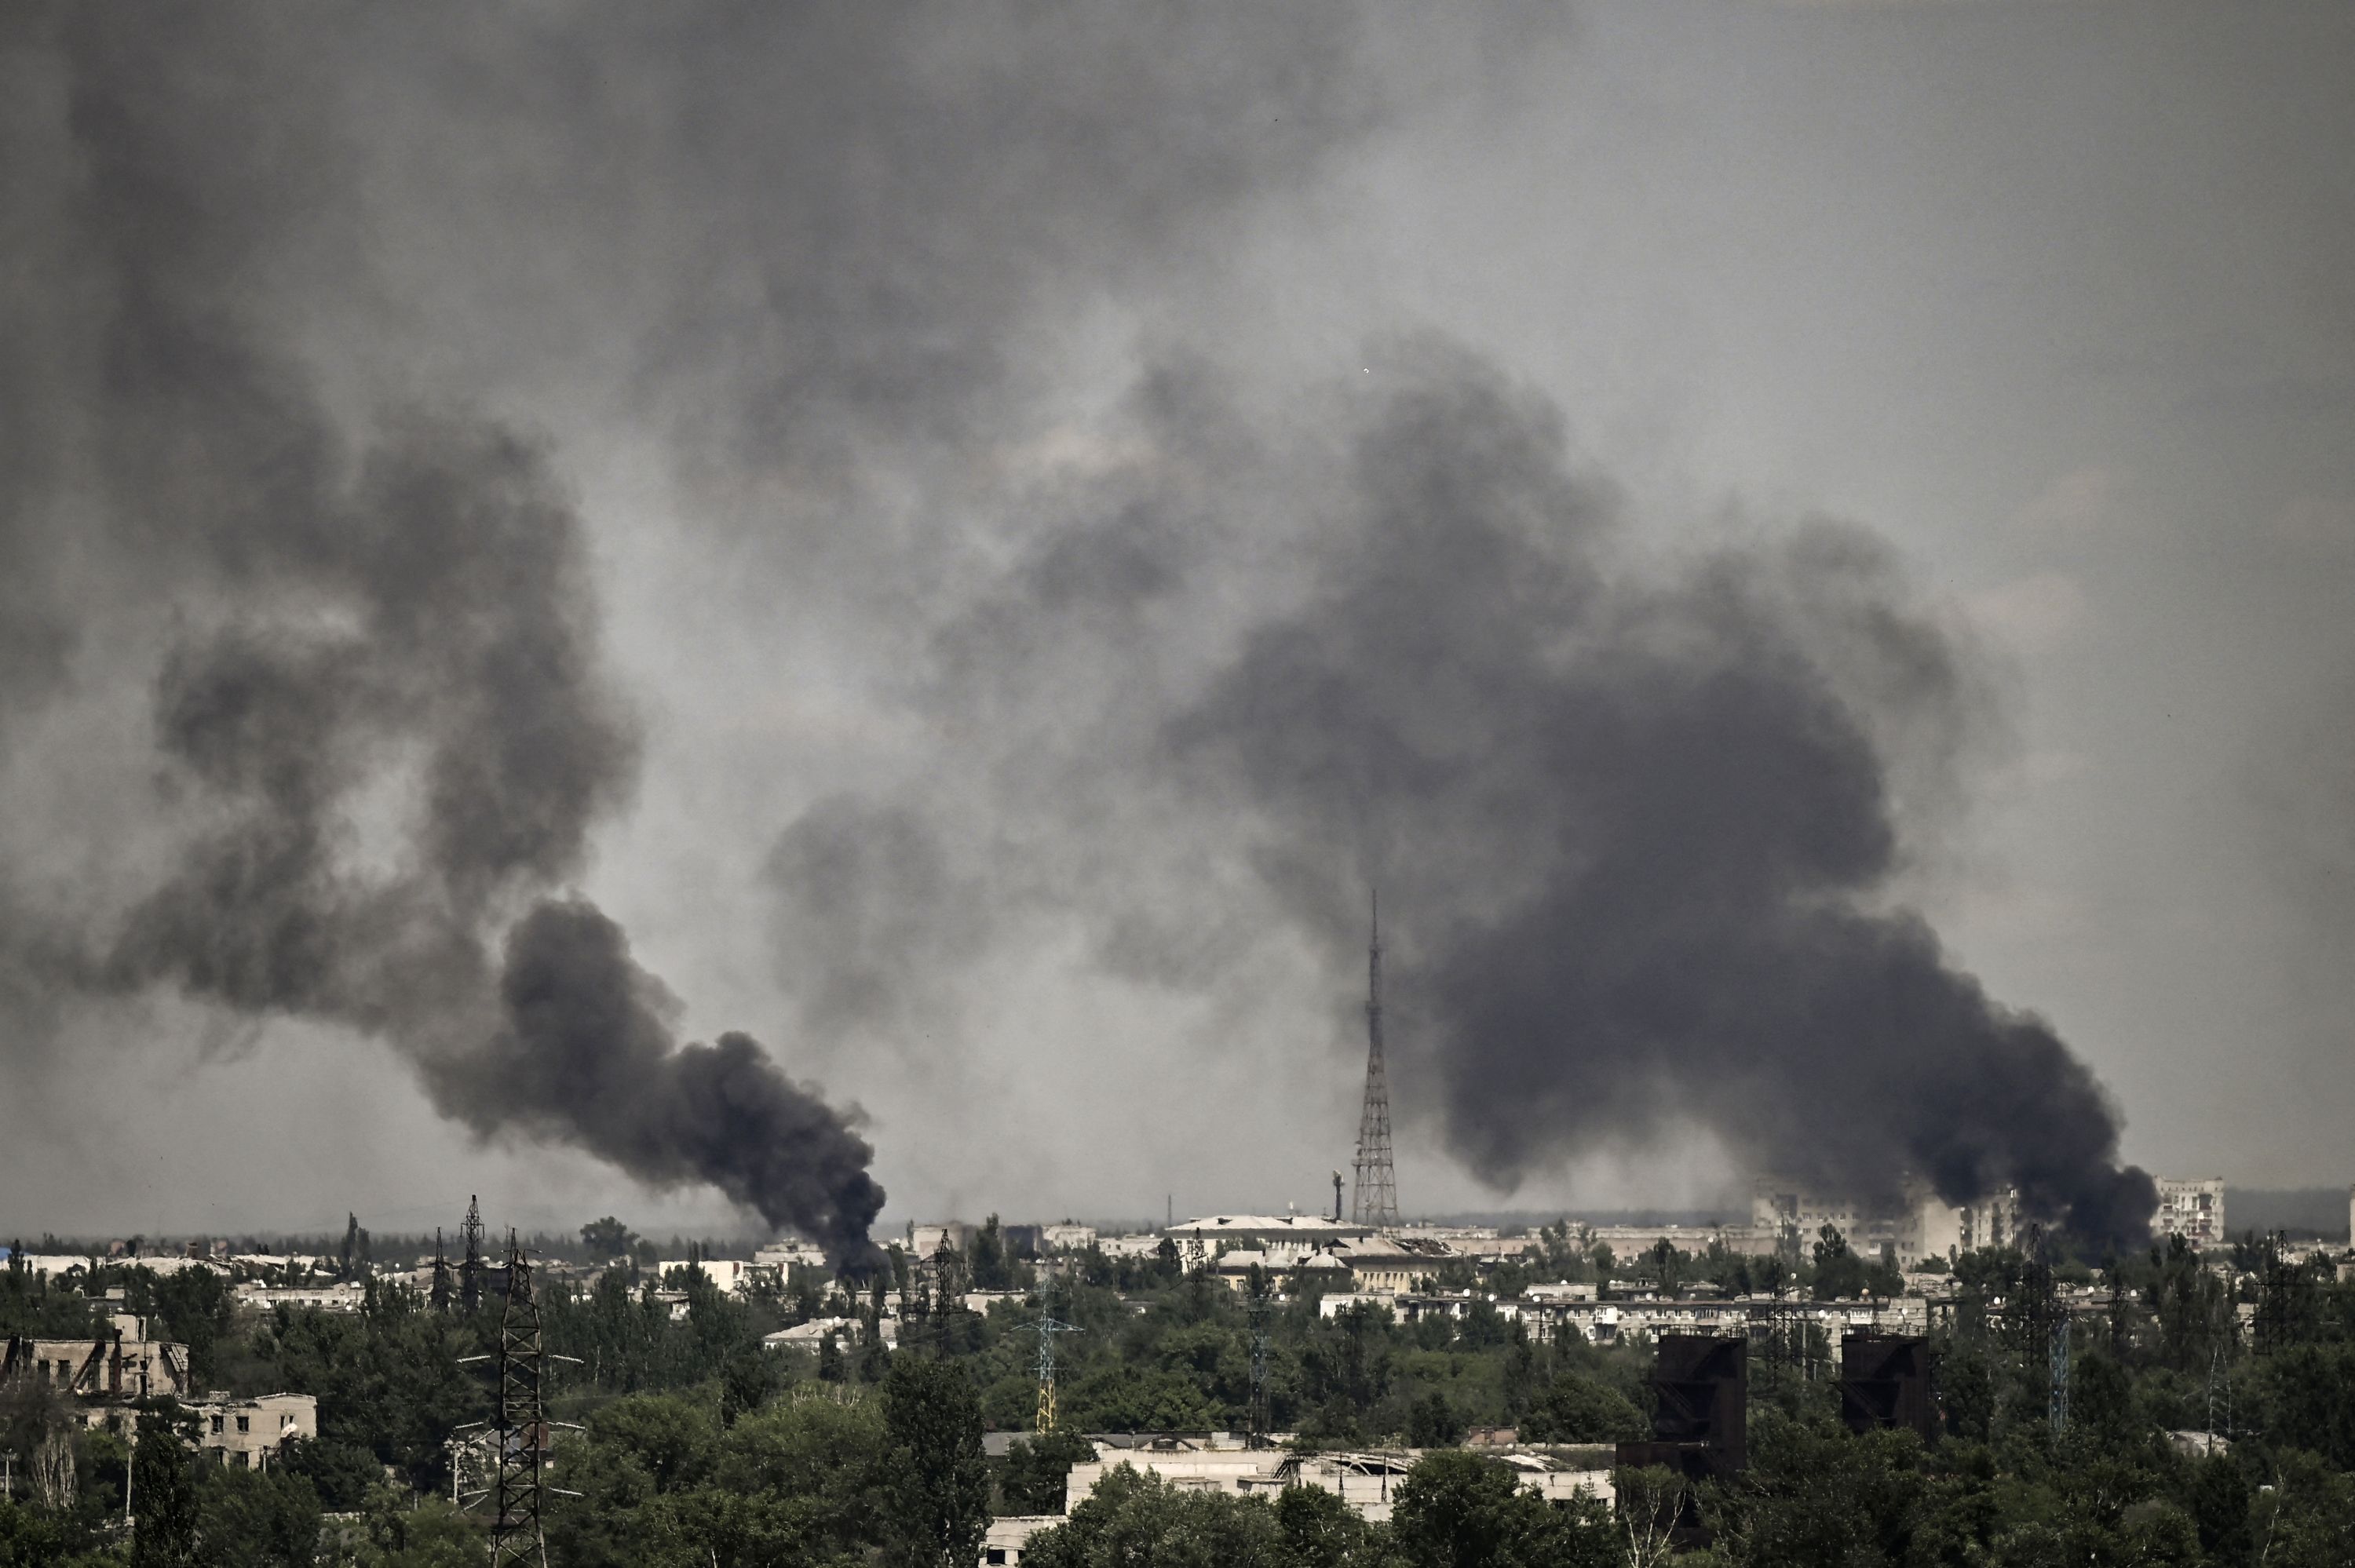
[614,606]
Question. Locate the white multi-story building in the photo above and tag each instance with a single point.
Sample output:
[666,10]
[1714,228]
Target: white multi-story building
[2191,1208]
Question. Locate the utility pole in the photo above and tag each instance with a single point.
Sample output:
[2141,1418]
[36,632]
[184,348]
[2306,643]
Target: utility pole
[1375,1203]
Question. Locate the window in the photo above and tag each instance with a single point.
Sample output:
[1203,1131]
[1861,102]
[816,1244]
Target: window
[245,1423]
[217,1423]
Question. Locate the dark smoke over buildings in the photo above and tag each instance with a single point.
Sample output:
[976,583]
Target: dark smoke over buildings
[1644,823]
[325,317]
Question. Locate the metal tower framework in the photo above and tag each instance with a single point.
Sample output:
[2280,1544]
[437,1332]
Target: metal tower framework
[1048,1327]
[1375,1202]
[1258,1308]
[521,1424]
[470,1272]
[438,1297]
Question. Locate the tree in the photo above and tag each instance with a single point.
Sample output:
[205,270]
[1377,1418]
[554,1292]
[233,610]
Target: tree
[1459,1510]
[1143,1521]
[257,1518]
[1652,1499]
[932,1423]
[1432,1423]
[606,1239]
[163,1494]
[1320,1531]
[1840,1275]
[1578,1409]
[1037,1470]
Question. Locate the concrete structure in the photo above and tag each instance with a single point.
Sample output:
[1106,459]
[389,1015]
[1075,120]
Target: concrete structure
[788,1252]
[1067,1237]
[809,1335]
[344,1297]
[1233,1269]
[2191,1208]
[733,1276]
[246,1434]
[924,1239]
[114,1368]
[1002,1547]
[1365,1480]
[1915,1225]
[1285,1238]
[55,1266]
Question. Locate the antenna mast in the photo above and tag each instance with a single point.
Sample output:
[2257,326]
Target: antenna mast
[1375,1202]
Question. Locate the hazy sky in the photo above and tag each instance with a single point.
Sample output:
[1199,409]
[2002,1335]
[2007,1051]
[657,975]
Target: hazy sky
[948,401]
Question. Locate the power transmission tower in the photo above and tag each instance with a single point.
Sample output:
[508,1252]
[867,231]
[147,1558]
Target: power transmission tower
[521,1425]
[470,1272]
[1048,1327]
[439,1296]
[2041,1323]
[1375,1203]
[1258,1308]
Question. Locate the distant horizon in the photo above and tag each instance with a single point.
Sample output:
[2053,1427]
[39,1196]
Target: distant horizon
[2318,1211]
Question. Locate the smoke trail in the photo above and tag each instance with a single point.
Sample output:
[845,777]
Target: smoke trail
[1644,827]
[381,698]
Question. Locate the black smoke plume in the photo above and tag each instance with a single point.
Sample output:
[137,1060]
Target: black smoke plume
[381,703]
[1640,828]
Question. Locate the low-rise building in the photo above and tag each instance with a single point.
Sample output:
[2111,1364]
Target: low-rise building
[1285,1238]
[344,1297]
[246,1434]
[1067,1237]
[1366,1481]
[114,1368]
[733,1276]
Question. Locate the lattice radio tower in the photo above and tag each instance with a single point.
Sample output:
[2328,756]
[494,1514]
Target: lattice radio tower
[1375,1202]
[439,1295]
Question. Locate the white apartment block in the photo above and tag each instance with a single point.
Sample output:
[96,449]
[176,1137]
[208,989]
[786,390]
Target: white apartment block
[2193,1209]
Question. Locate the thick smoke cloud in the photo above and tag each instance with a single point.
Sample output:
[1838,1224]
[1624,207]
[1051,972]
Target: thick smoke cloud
[1218,660]
[1640,827]
[381,699]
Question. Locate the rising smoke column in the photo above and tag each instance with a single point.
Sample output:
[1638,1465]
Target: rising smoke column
[1642,825]
[380,700]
